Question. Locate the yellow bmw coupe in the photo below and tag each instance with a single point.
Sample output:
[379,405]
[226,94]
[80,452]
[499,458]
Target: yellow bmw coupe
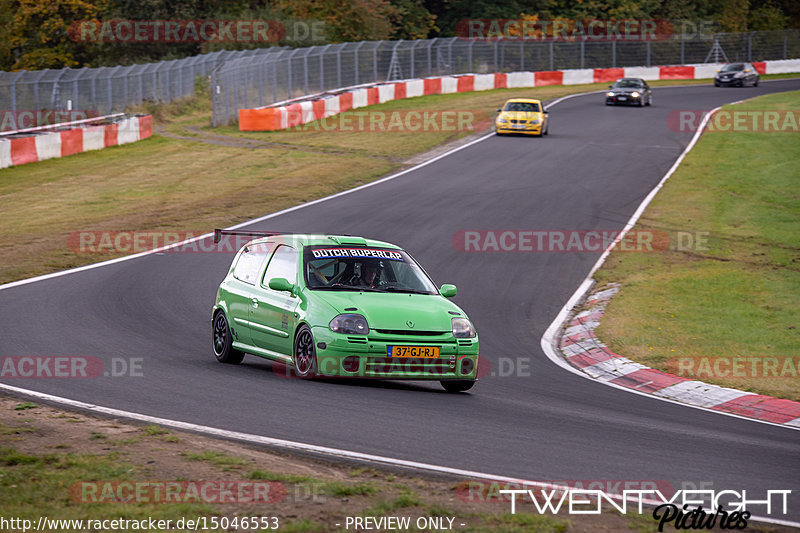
[522,115]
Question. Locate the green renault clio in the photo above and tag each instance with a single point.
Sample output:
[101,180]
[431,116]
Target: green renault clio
[342,306]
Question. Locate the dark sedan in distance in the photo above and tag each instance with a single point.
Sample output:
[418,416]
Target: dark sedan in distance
[739,74]
[629,91]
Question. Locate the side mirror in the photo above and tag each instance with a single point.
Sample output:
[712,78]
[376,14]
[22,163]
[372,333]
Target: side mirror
[448,290]
[499,110]
[546,112]
[610,86]
[281,284]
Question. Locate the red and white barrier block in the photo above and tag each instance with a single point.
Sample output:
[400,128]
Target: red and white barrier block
[581,348]
[47,145]
[287,116]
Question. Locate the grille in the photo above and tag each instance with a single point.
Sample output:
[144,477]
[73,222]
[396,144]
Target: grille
[388,366]
[410,332]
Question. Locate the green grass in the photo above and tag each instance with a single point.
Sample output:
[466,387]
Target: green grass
[302,526]
[8,430]
[219,459]
[31,483]
[340,490]
[521,523]
[737,296]
[266,475]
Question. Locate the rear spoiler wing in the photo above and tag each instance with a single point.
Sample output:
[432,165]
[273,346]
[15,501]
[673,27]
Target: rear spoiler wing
[218,233]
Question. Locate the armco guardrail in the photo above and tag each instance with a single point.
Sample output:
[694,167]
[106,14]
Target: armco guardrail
[251,82]
[107,90]
[323,106]
[68,139]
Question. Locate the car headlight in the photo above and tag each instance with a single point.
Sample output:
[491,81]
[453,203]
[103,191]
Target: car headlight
[609,93]
[739,74]
[534,121]
[635,94]
[502,120]
[350,324]
[462,329]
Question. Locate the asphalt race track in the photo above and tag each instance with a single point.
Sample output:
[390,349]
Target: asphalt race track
[590,173]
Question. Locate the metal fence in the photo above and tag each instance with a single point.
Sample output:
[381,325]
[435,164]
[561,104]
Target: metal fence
[256,81]
[105,90]
[252,78]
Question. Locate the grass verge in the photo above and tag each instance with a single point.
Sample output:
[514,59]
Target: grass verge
[45,460]
[735,291]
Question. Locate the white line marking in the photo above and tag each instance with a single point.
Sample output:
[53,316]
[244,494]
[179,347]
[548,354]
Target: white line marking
[550,336]
[286,444]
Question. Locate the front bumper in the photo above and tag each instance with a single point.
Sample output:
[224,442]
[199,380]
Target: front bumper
[529,129]
[728,81]
[624,99]
[359,356]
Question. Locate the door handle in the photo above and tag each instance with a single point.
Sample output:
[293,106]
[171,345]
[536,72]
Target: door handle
[255,302]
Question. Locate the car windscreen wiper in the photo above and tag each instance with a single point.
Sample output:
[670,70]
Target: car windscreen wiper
[404,289]
[344,287]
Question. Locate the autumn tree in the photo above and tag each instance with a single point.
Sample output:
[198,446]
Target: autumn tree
[38,34]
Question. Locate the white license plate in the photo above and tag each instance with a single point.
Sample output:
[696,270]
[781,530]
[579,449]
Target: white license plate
[623,98]
[518,126]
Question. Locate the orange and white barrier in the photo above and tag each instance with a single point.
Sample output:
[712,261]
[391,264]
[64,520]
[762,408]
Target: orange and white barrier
[287,116]
[50,144]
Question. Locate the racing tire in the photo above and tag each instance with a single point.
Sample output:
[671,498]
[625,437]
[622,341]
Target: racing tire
[459,385]
[547,129]
[755,83]
[641,102]
[222,341]
[650,100]
[716,84]
[304,355]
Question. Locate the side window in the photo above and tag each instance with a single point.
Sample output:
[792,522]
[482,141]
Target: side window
[250,261]
[282,265]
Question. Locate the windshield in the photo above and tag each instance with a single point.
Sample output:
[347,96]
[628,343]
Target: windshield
[364,269]
[522,106]
[733,66]
[627,84]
